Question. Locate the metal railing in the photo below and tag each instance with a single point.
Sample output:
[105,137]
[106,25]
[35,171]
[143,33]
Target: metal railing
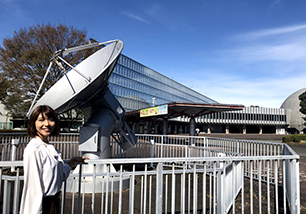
[177,174]
[66,143]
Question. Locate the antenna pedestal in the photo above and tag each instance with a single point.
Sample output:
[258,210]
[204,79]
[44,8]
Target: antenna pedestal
[95,143]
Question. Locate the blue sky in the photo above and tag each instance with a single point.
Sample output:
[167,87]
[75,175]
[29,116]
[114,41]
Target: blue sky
[250,52]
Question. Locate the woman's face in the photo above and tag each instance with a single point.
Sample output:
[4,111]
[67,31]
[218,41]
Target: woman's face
[44,126]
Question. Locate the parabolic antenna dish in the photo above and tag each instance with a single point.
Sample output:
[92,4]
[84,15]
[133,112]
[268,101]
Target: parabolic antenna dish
[84,81]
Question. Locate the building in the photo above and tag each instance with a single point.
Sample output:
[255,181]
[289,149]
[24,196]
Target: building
[250,120]
[137,87]
[5,122]
[296,121]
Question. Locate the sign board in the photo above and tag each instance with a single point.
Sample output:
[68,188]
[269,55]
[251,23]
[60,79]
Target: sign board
[154,111]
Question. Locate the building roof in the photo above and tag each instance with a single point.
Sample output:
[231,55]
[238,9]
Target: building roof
[191,110]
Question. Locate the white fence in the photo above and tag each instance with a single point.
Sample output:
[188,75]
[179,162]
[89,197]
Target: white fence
[175,174]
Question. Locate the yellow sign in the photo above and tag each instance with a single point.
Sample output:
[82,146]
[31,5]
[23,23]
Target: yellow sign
[153,111]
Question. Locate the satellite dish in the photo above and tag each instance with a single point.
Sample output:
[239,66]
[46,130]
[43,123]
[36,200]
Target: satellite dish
[87,84]
[84,81]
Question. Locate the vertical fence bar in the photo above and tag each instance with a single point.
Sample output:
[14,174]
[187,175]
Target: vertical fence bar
[106,190]
[293,185]
[242,187]
[259,187]
[79,191]
[251,187]
[112,195]
[189,195]
[16,193]
[173,191]
[284,186]
[214,187]
[102,190]
[145,191]
[223,187]
[159,188]
[162,147]
[152,150]
[120,190]
[204,189]
[1,172]
[93,191]
[83,195]
[64,198]
[276,186]
[210,193]
[73,193]
[150,194]
[234,186]
[6,197]
[166,194]
[195,189]
[268,186]
[142,198]
[183,177]
[132,191]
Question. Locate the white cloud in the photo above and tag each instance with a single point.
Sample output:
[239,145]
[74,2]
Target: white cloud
[169,17]
[261,68]
[135,17]
[269,52]
[276,44]
[272,32]
[264,92]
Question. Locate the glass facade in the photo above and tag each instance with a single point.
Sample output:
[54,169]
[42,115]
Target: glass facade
[137,86]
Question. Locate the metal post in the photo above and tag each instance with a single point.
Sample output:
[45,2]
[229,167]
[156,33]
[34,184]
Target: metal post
[192,131]
[152,150]
[162,147]
[159,188]
[64,198]
[6,197]
[132,191]
[15,143]
[16,193]
[79,193]
[294,186]
[93,191]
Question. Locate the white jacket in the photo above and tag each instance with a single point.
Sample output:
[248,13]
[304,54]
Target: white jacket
[44,172]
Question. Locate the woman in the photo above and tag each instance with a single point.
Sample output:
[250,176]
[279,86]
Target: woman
[44,169]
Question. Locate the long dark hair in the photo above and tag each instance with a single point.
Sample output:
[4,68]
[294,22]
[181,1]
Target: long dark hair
[43,110]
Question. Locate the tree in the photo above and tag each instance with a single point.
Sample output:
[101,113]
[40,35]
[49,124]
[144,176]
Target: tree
[4,84]
[25,57]
[302,98]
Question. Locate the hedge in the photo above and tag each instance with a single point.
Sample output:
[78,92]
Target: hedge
[296,138]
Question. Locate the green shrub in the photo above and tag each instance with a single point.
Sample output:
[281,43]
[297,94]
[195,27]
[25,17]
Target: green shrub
[296,138]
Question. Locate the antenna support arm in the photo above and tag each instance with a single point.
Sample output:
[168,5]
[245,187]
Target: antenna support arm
[66,51]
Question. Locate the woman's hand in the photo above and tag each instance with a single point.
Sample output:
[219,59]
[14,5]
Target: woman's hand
[76,160]
[79,159]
